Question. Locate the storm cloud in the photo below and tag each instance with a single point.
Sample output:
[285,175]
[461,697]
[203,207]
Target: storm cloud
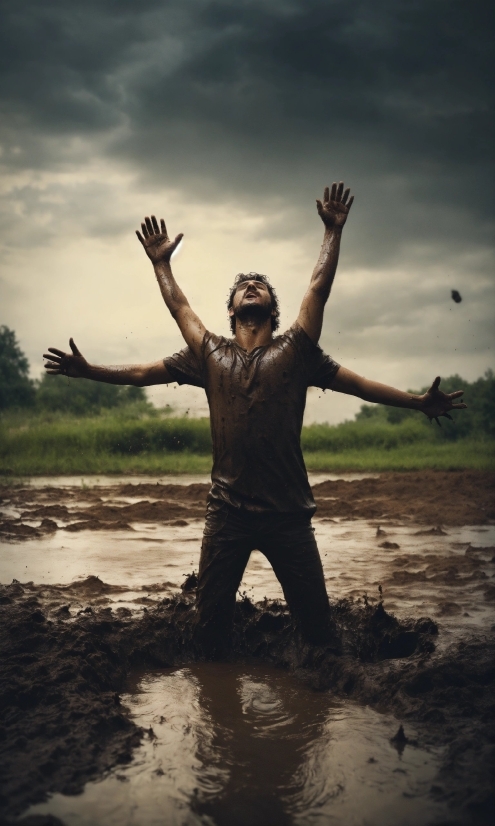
[211,110]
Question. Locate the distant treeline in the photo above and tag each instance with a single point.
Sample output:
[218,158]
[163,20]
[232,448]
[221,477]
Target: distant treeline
[55,393]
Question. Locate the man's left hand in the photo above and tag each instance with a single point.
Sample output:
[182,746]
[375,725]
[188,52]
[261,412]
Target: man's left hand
[435,403]
[335,207]
[155,240]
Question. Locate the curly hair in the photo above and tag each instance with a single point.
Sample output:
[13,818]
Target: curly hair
[254,276]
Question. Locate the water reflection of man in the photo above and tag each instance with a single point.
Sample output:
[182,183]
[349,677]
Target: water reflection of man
[256,386]
[260,752]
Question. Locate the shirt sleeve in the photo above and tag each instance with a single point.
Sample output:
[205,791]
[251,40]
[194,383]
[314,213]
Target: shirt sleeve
[184,368]
[325,371]
[320,368]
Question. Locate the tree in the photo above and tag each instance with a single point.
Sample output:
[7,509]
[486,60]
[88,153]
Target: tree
[16,388]
[83,397]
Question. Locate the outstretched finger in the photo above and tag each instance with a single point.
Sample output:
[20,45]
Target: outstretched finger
[434,385]
[340,190]
[459,406]
[319,206]
[56,372]
[73,347]
[48,356]
[162,226]
[351,201]
[149,226]
[56,351]
[346,195]
[326,194]
[436,419]
[140,237]
[155,225]
[333,192]
[145,231]
[456,394]
[448,416]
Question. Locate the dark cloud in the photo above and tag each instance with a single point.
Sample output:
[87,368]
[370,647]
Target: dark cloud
[258,101]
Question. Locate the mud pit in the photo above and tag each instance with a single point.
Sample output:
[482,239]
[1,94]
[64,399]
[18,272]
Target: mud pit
[119,554]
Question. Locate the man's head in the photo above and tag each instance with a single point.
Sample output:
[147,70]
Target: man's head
[252,297]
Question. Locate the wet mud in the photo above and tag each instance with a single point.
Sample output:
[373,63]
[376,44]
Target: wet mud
[68,650]
[61,679]
[442,498]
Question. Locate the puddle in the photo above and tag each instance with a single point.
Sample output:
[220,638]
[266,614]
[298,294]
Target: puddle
[166,479]
[249,745]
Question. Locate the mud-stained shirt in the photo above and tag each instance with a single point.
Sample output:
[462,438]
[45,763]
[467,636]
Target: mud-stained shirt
[257,403]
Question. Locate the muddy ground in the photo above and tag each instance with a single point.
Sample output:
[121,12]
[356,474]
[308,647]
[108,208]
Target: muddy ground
[438,497]
[62,723]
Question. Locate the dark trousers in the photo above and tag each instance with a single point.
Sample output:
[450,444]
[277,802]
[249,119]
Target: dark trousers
[288,542]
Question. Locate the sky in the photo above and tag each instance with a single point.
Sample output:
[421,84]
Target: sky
[228,119]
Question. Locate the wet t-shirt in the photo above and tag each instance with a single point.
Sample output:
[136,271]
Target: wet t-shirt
[257,403]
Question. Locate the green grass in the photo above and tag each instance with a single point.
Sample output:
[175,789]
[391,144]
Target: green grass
[132,441]
[460,455]
[54,464]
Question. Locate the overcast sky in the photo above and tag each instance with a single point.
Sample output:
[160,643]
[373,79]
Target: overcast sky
[228,119]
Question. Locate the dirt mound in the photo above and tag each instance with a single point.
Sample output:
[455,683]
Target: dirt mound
[144,511]
[92,586]
[97,525]
[61,721]
[195,493]
[430,496]
[468,569]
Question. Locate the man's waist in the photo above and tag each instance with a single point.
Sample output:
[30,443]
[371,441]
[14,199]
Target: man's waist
[235,522]
[261,501]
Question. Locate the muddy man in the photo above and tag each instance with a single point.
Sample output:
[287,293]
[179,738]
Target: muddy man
[256,383]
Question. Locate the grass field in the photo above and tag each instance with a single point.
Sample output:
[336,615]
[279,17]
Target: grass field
[130,442]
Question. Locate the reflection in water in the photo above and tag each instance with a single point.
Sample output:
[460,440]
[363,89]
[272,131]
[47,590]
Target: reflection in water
[265,737]
[248,745]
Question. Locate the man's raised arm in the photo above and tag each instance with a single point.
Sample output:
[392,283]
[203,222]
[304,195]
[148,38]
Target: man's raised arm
[159,249]
[75,365]
[333,211]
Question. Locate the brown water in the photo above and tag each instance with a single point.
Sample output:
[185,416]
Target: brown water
[426,574]
[248,745]
[102,480]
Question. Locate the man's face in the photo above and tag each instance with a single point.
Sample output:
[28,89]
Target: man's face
[251,297]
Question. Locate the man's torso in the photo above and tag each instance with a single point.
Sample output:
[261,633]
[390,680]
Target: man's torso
[257,403]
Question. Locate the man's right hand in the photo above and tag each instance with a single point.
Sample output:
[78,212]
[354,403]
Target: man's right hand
[66,364]
[335,207]
[156,243]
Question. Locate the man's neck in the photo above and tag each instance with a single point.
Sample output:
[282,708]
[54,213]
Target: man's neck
[252,334]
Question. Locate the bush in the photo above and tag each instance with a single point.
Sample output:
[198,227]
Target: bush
[82,397]
[368,432]
[109,433]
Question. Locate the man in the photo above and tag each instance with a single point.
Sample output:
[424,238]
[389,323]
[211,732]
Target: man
[256,386]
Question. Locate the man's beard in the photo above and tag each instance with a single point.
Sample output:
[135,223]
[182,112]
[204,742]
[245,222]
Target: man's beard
[253,313]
